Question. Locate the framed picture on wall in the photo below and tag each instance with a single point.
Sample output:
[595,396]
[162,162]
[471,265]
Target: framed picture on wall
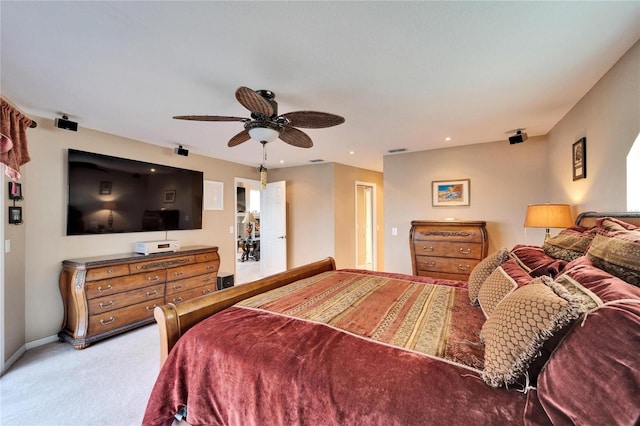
[105,188]
[15,191]
[579,159]
[15,215]
[448,193]
[170,196]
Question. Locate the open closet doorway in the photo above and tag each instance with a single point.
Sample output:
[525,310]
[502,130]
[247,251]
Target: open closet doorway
[365,226]
[247,230]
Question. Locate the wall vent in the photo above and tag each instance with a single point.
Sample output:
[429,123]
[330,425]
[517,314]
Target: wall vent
[393,151]
[317,160]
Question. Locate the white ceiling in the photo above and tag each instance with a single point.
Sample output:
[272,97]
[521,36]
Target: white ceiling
[403,74]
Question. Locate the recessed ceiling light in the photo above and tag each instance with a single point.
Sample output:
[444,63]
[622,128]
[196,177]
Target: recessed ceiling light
[352,152]
[281,161]
[448,138]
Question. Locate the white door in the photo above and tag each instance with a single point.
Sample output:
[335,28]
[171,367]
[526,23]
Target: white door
[273,228]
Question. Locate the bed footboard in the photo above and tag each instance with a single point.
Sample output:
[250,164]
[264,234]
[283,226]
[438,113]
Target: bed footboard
[174,320]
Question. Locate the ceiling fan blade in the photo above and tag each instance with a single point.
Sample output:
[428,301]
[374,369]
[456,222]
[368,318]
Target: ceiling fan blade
[253,101]
[295,137]
[209,118]
[312,119]
[241,137]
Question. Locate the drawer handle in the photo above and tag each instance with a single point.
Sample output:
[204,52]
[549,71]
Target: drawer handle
[152,293]
[177,300]
[211,267]
[463,251]
[109,321]
[150,308]
[430,264]
[464,267]
[178,273]
[425,248]
[107,288]
[156,278]
[206,280]
[108,305]
[178,287]
[206,291]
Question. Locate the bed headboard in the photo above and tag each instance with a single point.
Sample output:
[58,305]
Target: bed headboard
[588,219]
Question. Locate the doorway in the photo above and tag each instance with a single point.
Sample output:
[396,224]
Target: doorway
[247,230]
[365,226]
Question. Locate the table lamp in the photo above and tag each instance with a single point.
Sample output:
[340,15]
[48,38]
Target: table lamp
[548,216]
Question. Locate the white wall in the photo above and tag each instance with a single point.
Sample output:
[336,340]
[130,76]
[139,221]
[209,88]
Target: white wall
[609,117]
[504,180]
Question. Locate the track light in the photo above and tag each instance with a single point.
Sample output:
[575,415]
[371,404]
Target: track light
[519,137]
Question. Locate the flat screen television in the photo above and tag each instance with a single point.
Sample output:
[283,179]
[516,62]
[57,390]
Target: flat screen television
[111,194]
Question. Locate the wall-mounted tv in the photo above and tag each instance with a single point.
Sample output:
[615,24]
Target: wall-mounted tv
[111,194]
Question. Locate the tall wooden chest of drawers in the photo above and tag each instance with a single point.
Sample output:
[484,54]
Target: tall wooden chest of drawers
[447,249]
[108,295]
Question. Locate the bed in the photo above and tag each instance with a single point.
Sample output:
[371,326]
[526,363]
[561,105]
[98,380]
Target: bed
[538,335]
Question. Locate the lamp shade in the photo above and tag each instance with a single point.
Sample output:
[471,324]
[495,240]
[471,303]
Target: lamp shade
[248,218]
[110,205]
[548,216]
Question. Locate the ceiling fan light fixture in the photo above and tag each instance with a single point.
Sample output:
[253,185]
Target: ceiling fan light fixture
[263,131]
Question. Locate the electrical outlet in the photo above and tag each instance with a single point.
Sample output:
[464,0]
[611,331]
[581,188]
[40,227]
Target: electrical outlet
[394,232]
[7,246]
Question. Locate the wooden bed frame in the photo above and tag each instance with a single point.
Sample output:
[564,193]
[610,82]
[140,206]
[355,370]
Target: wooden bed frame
[174,320]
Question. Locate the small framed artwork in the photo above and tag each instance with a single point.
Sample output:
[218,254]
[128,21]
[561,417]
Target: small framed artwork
[170,196]
[15,191]
[450,193]
[213,195]
[15,215]
[579,159]
[105,188]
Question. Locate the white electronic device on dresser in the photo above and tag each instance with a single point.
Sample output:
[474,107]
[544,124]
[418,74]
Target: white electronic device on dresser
[148,247]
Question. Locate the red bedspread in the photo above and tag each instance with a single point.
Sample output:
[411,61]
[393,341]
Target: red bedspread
[251,366]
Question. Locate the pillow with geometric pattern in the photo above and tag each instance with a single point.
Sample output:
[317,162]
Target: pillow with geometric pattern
[616,249]
[570,243]
[482,271]
[502,282]
[519,326]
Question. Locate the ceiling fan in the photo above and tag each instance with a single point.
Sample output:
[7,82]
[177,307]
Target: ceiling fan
[265,125]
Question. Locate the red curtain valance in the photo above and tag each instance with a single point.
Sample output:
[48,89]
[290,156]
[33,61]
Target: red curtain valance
[13,139]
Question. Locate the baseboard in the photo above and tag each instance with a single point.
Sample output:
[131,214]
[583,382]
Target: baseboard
[24,348]
[16,355]
[40,342]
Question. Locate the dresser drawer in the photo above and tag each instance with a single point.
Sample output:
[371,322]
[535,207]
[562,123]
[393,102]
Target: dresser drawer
[206,257]
[449,249]
[120,300]
[113,271]
[446,233]
[107,321]
[125,283]
[152,265]
[192,270]
[445,264]
[189,283]
[177,298]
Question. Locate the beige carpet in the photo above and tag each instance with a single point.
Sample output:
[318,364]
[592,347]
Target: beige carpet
[106,384]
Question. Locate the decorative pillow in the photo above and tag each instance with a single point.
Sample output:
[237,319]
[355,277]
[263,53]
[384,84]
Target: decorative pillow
[570,243]
[504,280]
[519,326]
[616,249]
[482,271]
[535,261]
[605,344]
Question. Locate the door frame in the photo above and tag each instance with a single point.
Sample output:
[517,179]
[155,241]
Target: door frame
[374,222]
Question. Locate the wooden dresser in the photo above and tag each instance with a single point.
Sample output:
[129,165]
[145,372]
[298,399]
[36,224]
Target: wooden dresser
[108,295]
[447,249]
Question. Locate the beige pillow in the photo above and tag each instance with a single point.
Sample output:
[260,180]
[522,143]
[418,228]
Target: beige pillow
[502,282]
[482,271]
[519,326]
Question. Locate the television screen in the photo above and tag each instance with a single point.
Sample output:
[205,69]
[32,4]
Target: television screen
[111,194]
